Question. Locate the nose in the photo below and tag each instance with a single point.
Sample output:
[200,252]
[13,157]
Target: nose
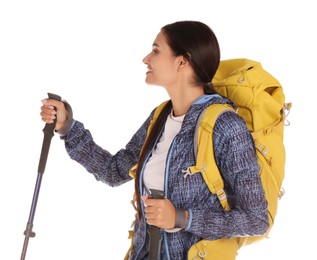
[146,59]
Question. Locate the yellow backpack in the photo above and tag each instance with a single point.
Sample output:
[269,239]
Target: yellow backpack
[260,100]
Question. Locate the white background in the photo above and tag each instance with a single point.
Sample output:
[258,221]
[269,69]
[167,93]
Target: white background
[90,53]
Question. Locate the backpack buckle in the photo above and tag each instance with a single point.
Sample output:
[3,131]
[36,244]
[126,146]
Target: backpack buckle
[186,172]
[221,194]
[192,170]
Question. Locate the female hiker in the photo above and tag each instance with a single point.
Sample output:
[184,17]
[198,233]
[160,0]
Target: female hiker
[184,58]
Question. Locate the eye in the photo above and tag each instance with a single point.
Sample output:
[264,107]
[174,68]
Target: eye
[155,51]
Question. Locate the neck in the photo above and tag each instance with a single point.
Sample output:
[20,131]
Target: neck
[182,100]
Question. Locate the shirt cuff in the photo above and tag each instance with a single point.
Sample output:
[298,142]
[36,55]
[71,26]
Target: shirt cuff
[69,123]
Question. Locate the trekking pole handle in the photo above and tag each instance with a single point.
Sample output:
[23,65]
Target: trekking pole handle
[156,194]
[49,128]
[48,131]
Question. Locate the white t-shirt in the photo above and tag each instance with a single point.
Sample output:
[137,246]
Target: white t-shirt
[154,170]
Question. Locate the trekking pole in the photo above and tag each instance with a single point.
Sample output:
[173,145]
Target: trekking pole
[155,232]
[48,131]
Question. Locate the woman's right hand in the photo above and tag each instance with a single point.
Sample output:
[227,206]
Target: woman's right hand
[49,114]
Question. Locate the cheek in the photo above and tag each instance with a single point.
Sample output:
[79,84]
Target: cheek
[169,71]
[165,67]
[164,72]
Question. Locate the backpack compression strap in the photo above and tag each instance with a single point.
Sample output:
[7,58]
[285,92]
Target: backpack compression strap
[205,158]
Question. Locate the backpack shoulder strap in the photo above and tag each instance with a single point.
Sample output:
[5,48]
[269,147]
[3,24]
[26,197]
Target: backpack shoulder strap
[157,112]
[205,158]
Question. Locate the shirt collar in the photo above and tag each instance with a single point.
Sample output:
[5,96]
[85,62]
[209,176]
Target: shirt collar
[205,98]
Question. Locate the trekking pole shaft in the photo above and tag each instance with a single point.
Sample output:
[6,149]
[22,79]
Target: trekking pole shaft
[28,231]
[35,197]
[155,243]
[25,246]
[26,239]
[42,163]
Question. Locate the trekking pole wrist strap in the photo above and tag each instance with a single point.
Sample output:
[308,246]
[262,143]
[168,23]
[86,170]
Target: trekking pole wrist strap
[69,122]
[180,218]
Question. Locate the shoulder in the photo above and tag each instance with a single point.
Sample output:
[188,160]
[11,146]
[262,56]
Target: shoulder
[229,129]
[230,121]
[226,121]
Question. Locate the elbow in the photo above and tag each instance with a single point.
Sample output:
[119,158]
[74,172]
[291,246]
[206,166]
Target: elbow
[257,223]
[263,228]
[265,222]
[261,224]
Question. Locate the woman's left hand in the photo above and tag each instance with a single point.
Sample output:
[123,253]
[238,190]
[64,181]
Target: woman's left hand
[159,212]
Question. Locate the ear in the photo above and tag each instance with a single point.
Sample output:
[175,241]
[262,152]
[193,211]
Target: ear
[182,62]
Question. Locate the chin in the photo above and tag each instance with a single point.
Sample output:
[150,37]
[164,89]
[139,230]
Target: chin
[149,82]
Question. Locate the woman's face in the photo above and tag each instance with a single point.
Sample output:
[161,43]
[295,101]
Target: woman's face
[161,62]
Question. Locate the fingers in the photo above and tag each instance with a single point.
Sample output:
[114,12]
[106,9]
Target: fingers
[159,212]
[53,109]
[150,210]
[152,215]
[48,113]
[52,103]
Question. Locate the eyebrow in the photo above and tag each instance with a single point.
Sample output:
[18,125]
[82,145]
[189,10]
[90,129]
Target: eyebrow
[155,45]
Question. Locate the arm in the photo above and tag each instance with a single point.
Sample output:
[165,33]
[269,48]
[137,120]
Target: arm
[236,159]
[108,168]
[111,169]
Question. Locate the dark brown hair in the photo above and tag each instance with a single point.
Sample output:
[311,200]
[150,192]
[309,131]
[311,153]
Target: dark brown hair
[199,45]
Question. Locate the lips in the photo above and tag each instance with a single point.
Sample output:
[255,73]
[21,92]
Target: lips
[149,70]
